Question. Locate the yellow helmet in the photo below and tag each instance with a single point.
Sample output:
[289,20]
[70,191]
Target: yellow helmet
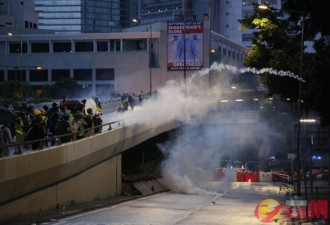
[37,112]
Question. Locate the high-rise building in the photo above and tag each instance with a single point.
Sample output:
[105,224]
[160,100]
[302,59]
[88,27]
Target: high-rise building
[150,11]
[18,14]
[223,14]
[84,16]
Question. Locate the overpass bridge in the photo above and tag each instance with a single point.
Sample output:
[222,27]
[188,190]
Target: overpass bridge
[80,171]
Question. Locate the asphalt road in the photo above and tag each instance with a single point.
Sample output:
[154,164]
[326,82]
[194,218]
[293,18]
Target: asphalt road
[235,207]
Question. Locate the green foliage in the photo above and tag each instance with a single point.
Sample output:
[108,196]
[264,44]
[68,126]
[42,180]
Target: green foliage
[274,48]
[65,87]
[12,92]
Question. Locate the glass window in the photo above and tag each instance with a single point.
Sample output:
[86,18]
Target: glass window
[117,45]
[16,74]
[16,47]
[39,47]
[62,46]
[82,74]
[105,89]
[105,74]
[84,46]
[58,75]
[112,45]
[102,46]
[134,45]
[38,75]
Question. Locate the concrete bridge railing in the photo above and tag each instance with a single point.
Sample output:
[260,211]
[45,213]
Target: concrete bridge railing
[72,173]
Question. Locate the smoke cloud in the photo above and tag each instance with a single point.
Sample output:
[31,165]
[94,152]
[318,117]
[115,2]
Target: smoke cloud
[193,156]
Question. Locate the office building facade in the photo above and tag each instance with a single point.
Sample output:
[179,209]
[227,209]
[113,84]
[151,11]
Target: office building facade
[103,64]
[18,14]
[85,16]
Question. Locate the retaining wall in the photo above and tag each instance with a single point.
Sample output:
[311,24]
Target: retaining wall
[72,173]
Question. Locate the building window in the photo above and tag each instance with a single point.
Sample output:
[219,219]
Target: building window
[58,75]
[35,26]
[38,75]
[102,46]
[112,45]
[17,75]
[16,48]
[105,89]
[84,46]
[2,76]
[39,47]
[117,45]
[224,51]
[26,24]
[105,74]
[62,46]
[134,45]
[82,74]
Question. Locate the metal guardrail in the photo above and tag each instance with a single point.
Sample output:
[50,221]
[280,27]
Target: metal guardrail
[57,138]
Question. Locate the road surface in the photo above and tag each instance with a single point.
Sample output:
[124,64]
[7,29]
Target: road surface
[235,207]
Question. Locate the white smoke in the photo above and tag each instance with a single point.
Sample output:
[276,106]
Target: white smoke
[194,155]
[221,67]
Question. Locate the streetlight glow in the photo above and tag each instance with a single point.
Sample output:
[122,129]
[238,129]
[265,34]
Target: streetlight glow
[307,120]
[263,7]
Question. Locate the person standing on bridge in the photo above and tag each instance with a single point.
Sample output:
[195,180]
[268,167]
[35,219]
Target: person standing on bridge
[89,122]
[97,122]
[141,96]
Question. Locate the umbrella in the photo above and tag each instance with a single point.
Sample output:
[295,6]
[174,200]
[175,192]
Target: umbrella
[74,105]
[6,116]
[90,103]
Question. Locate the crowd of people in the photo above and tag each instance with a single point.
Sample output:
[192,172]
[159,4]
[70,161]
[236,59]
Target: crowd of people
[128,100]
[36,124]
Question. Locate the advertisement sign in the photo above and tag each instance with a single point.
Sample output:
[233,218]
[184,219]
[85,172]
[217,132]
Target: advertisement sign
[193,54]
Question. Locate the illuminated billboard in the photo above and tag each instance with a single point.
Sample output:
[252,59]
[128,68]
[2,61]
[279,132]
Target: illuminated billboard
[193,54]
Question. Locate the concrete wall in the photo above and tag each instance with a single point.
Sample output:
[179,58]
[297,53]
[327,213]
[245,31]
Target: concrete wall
[76,172]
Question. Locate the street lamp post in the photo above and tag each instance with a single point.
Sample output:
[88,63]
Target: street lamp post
[21,62]
[150,59]
[298,159]
[149,53]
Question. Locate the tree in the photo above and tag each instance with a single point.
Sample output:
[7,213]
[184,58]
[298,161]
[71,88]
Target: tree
[65,87]
[277,45]
[12,92]
[273,47]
